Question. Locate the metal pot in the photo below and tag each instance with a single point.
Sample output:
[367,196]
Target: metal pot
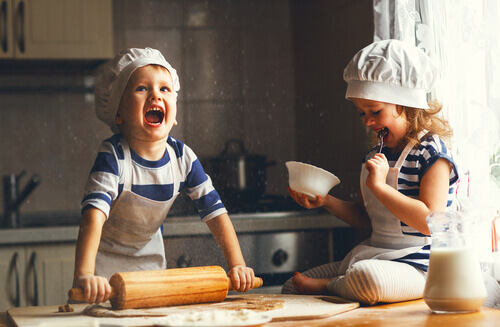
[239,177]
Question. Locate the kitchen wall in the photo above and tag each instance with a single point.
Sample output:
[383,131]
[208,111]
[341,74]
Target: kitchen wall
[329,132]
[267,72]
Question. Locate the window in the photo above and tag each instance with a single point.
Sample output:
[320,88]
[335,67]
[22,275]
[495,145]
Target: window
[463,36]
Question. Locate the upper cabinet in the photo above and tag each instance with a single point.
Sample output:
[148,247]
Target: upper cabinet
[56,29]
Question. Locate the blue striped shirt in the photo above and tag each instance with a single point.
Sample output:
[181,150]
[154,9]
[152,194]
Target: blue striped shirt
[150,179]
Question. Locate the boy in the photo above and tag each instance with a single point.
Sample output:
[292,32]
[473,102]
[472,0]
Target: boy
[136,177]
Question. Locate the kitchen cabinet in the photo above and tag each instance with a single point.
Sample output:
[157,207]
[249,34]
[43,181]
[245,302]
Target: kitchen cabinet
[33,275]
[56,29]
[12,265]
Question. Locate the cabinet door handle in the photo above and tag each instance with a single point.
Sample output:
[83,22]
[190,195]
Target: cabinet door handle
[3,26]
[20,26]
[15,265]
[35,278]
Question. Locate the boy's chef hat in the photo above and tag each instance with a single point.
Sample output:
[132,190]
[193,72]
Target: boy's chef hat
[391,71]
[114,77]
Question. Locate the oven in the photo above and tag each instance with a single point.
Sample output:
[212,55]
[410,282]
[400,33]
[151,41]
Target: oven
[274,244]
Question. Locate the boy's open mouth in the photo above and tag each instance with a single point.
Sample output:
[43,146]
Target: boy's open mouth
[154,116]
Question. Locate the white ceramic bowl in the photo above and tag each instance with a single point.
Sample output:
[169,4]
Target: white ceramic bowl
[310,180]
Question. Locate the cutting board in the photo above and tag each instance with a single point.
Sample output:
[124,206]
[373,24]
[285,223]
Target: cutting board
[296,307]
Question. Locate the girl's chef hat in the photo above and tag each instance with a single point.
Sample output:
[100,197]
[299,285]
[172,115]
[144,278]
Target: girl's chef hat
[114,77]
[391,71]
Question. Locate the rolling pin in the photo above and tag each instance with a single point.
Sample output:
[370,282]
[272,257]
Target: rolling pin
[157,288]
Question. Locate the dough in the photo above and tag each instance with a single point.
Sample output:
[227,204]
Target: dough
[256,303]
[242,317]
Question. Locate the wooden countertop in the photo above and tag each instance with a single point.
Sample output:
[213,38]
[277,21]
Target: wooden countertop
[407,314]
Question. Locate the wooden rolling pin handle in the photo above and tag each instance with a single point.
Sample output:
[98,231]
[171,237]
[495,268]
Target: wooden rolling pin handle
[77,294]
[256,283]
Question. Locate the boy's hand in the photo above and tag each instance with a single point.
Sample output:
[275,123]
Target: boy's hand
[96,289]
[304,201]
[377,167]
[242,278]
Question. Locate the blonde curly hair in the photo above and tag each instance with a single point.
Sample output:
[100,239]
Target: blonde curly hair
[418,120]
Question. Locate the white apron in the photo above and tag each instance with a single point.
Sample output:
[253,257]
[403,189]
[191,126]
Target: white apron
[387,241]
[131,237]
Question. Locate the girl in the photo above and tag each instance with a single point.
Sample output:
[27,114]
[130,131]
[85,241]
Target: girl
[413,176]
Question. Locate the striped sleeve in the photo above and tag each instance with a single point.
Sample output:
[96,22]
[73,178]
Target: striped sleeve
[435,149]
[199,188]
[417,163]
[420,160]
[103,185]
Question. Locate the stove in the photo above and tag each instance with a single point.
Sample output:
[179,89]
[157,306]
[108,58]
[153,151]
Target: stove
[274,254]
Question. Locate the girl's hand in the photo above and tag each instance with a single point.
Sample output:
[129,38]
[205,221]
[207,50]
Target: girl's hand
[304,201]
[377,167]
[96,289]
[242,278]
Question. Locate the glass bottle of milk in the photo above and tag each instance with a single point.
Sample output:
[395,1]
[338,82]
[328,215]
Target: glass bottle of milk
[454,280]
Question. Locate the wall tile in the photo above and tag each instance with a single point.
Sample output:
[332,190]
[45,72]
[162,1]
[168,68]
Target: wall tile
[267,64]
[217,13]
[57,139]
[146,14]
[265,14]
[269,127]
[212,65]
[210,124]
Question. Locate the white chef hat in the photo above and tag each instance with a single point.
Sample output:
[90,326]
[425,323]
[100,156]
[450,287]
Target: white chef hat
[391,71]
[114,78]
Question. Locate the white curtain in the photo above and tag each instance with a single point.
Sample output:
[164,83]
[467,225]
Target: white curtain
[463,36]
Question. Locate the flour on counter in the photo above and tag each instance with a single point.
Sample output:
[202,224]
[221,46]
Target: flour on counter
[242,317]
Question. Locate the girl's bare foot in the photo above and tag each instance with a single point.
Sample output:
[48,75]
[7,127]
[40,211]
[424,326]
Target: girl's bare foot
[307,285]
